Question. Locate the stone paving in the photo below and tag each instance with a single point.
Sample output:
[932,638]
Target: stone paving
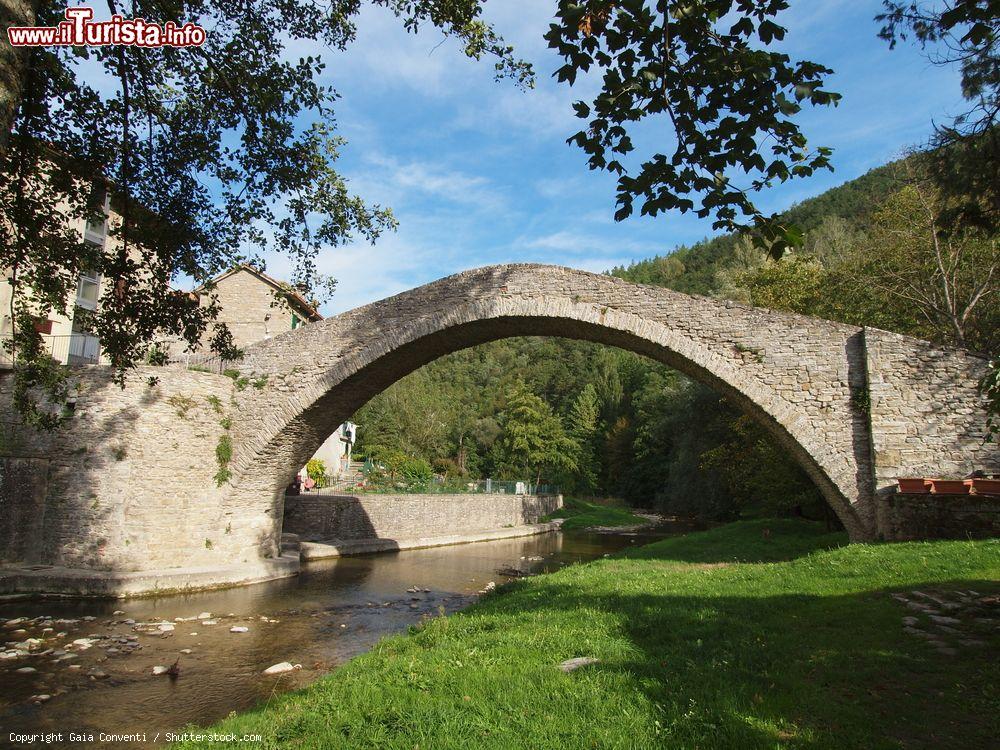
[949,620]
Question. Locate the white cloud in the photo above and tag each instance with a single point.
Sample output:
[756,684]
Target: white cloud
[403,179]
[576,243]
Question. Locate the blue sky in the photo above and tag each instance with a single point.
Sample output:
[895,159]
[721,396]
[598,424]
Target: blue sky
[478,172]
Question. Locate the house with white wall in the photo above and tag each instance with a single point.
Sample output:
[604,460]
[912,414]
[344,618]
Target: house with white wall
[65,336]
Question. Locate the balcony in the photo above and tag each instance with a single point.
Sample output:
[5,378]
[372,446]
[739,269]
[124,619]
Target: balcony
[67,349]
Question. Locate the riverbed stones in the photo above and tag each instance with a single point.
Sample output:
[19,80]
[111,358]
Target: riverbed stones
[239,629]
[160,669]
[26,670]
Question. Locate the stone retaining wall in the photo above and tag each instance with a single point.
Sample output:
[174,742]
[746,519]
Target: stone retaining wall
[905,517]
[927,417]
[316,516]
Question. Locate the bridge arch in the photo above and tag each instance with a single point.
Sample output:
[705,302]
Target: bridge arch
[792,374]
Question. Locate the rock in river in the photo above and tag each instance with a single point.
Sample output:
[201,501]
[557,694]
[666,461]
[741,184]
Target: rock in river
[282,667]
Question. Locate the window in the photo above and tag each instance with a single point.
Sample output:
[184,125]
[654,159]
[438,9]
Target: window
[295,321]
[88,290]
[96,231]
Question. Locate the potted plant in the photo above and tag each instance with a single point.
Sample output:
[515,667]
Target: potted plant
[979,486]
[949,486]
[913,485]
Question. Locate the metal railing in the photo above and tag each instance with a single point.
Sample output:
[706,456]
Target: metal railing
[202,362]
[67,349]
[436,487]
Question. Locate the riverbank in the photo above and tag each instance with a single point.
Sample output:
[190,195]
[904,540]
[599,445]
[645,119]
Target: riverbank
[589,515]
[95,659]
[756,634]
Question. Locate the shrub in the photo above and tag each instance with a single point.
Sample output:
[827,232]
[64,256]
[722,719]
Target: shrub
[316,470]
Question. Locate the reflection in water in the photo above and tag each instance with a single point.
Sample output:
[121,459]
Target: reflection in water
[333,611]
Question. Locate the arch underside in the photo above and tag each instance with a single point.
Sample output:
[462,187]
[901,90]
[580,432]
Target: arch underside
[340,390]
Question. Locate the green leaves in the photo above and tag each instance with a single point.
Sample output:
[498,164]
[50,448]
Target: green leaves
[216,154]
[533,439]
[728,103]
[966,152]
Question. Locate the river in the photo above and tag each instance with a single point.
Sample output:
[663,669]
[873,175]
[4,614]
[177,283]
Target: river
[331,612]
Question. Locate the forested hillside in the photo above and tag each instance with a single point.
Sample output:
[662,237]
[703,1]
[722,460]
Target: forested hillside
[600,421]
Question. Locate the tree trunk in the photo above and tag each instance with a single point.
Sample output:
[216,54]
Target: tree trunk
[13,61]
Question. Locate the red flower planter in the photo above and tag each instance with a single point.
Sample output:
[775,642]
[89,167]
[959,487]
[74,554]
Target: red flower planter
[913,485]
[949,487]
[984,486]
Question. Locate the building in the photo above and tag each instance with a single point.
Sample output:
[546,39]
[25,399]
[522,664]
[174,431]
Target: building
[255,306]
[335,453]
[64,335]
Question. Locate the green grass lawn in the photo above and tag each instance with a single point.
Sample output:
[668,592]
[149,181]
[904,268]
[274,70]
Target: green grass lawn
[580,514]
[798,645]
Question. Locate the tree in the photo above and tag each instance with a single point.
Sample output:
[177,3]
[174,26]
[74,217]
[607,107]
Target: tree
[950,278]
[759,474]
[834,240]
[731,280]
[583,429]
[704,67]
[965,154]
[533,440]
[797,283]
[211,155]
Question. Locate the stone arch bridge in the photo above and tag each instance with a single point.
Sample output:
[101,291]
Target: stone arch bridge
[182,483]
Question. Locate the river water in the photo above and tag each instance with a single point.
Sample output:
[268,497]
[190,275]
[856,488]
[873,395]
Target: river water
[331,612]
